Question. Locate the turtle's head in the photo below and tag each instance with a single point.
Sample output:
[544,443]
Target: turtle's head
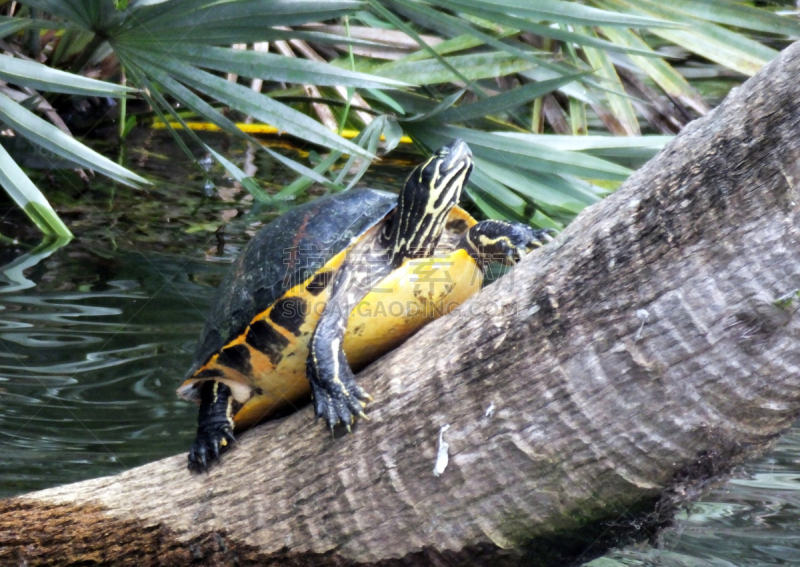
[430,192]
[445,173]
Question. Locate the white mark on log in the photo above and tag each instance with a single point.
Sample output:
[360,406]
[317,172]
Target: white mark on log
[530,311]
[489,411]
[789,179]
[441,454]
[643,316]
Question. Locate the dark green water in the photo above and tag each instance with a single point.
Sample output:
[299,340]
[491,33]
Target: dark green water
[95,336]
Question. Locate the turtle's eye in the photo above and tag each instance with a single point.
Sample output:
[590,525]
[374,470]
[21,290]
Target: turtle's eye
[454,157]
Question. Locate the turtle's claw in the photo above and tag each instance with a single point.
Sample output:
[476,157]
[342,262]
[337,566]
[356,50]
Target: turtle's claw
[197,458]
[337,396]
[540,237]
[229,438]
[214,426]
[210,443]
[337,401]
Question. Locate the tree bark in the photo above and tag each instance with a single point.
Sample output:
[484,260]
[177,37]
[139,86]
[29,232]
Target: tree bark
[612,376]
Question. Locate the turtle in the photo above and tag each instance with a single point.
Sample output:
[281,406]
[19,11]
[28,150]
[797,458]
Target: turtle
[331,286]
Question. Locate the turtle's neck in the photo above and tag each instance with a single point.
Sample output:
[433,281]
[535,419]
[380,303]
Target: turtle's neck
[427,198]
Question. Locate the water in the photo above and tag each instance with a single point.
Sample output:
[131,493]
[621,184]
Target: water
[752,520]
[88,371]
[95,336]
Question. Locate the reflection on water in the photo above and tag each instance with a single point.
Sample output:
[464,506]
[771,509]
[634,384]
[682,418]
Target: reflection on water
[12,274]
[88,376]
[96,335]
[753,520]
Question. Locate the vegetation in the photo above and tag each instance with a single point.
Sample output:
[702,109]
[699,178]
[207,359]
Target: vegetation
[535,88]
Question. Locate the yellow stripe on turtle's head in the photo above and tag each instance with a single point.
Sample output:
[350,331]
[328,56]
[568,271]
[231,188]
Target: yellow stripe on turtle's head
[430,192]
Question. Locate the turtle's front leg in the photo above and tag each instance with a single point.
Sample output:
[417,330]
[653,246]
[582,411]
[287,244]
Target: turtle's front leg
[214,425]
[337,397]
[502,241]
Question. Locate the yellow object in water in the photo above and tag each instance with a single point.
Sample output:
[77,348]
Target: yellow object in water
[262,129]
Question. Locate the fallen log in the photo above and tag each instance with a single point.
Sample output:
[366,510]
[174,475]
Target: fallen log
[635,360]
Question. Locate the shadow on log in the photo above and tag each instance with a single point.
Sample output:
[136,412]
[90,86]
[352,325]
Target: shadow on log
[612,377]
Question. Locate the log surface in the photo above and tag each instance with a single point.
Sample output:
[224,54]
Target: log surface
[647,350]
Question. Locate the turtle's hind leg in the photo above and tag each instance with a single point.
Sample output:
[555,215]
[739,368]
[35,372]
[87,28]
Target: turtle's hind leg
[214,425]
[502,241]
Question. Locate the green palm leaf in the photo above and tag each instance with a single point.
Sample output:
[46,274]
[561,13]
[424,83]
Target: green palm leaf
[44,134]
[41,77]
[276,67]
[28,197]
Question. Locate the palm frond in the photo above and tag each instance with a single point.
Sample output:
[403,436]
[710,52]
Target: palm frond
[494,72]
